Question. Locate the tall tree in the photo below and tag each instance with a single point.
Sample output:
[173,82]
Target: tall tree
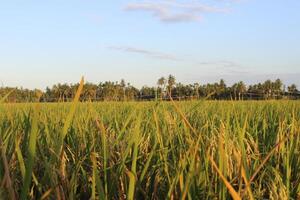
[161,84]
[123,87]
[171,83]
[241,88]
[278,87]
[196,88]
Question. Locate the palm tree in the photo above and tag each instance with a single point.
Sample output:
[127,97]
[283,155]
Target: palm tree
[196,88]
[241,89]
[123,86]
[171,83]
[56,92]
[268,89]
[161,84]
[278,85]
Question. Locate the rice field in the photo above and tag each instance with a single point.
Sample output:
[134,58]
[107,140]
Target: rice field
[150,150]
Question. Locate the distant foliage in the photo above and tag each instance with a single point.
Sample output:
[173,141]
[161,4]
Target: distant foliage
[122,91]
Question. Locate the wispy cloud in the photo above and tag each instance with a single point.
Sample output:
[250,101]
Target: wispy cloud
[222,66]
[153,54]
[175,11]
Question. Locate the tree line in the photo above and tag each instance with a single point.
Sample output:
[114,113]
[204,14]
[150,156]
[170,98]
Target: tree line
[166,88]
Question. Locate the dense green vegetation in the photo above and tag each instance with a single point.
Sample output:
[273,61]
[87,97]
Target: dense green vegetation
[151,150]
[122,91]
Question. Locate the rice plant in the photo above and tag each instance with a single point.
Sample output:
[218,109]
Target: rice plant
[150,150]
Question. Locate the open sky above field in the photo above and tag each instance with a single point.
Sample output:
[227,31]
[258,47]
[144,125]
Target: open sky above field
[45,42]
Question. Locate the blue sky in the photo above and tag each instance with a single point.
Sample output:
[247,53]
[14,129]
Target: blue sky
[45,42]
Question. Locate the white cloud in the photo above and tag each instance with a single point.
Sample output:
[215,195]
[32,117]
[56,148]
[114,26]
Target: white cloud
[153,54]
[175,11]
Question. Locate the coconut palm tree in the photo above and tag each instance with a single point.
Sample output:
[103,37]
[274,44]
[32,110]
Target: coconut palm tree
[196,90]
[241,89]
[123,87]
[171,83]
[161,84]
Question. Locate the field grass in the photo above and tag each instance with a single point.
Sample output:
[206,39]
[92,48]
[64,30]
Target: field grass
[150,150]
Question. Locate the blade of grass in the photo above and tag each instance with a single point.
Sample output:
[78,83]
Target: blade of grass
[231,190]
[72,111]
[20,158]
[46,194]
[148,162]
[96,182]
[102,130]
[31,154]
[132,174]
[247,183]
[9,183]
[194,149]
[132,181]
[66,127]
